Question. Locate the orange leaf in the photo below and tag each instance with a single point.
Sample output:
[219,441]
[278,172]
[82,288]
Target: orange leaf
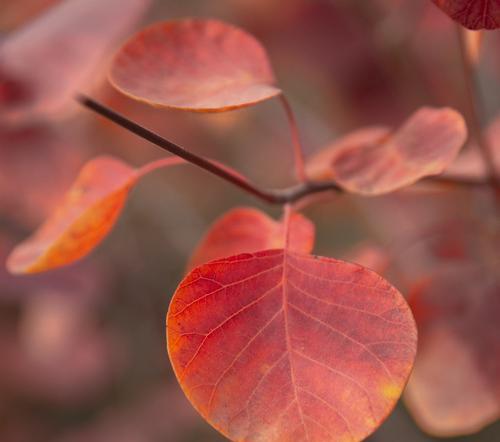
[249,230]
[197,65]
[473,14]
[454,388]
[51,57]
[85,217]
[280,346]
[373,161]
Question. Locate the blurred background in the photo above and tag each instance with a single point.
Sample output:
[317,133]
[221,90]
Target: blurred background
[82,349]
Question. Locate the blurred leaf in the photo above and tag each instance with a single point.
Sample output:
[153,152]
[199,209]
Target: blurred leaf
[455,388]
[373,161]
[46,61]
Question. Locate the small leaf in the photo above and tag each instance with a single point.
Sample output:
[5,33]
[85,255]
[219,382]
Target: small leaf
[473,14]
[46,61]
[454,388]
[246,230]
[197,65]
[373,161]
[85,217]
[279,346]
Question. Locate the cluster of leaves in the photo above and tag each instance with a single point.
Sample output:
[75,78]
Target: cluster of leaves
[268,341]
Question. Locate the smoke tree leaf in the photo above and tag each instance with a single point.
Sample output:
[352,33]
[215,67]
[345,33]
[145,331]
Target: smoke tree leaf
[473,14]
[279,346]
[454,388]
[45,62]
[87,214]
[374,161]
[194,64]
[246,230]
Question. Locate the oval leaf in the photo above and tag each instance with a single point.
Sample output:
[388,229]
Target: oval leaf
[197,65]
[279,346]
[473,14]
[246,230]
[454,388]
[373,162]
[84,218]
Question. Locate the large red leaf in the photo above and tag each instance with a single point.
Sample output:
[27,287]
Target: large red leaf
[198,65]
[280,346]
[84,218]
[245,230]
[473,14]
[455,387]
[45,62]
[374,161]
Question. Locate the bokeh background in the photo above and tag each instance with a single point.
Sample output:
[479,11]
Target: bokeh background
[82,349]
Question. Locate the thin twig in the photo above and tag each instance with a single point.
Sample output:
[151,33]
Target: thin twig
[298,150]
[476,109]
[273,196]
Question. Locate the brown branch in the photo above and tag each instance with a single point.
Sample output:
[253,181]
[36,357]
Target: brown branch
[273,196]
[298,150]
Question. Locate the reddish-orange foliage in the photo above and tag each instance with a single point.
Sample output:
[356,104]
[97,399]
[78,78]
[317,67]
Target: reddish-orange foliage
[473,14]
[44,63]
[84,218]
[89,210]
[374,161]
[455,388]
[246,230]
[282,346]
[197,65]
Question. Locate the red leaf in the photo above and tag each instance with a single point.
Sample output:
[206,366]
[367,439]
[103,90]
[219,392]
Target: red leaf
[372,161]
[197,65]
[455,388]
[473,14]
[280,346]
[46,61]
[249,230]
[85,217]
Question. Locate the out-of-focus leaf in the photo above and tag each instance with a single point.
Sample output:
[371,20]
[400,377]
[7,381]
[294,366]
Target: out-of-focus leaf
[281,346]
[246,230]
[373,161]
[455,388]
[45,62]
[197,65]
